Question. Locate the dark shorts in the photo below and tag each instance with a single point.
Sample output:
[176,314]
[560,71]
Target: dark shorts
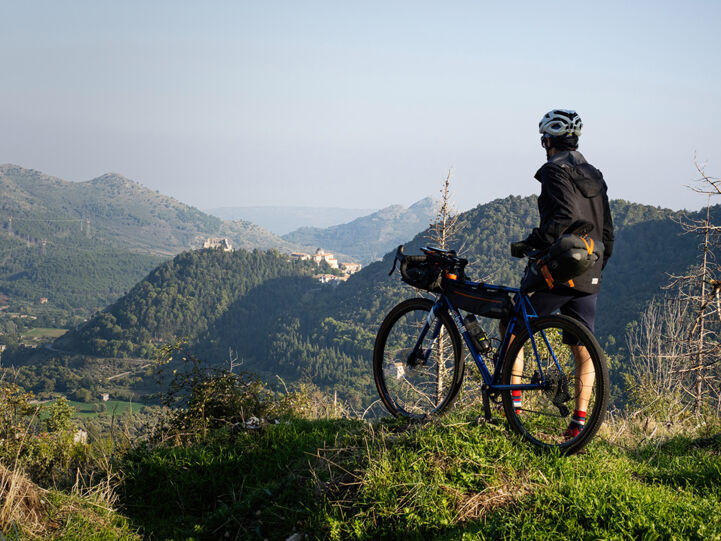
[579,306]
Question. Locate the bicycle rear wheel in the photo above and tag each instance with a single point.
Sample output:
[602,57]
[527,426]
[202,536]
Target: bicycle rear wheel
[574,377]
[417,381]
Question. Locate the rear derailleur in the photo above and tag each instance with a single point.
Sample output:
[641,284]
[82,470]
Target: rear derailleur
[555,388]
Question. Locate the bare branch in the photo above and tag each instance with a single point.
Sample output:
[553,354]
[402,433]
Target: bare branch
[445,225]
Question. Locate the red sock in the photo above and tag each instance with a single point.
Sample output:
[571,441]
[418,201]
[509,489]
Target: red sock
[516,397]
[578,420]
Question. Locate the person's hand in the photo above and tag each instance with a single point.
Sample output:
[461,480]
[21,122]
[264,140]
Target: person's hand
[519,249]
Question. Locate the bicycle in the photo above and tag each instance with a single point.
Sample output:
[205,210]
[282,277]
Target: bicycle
[418,364]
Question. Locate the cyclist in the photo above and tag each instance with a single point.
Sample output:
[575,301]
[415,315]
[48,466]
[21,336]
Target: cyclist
[571,190]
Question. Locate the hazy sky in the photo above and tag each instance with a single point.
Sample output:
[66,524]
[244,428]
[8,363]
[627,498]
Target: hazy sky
[359,104]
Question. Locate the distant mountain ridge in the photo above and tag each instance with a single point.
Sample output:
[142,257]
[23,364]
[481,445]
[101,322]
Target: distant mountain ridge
[283,220]
[120,211]
[370,237]
[81,245]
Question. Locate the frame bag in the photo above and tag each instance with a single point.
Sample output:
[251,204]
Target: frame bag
[478,299]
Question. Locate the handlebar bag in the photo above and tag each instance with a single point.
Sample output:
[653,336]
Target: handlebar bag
[422,272]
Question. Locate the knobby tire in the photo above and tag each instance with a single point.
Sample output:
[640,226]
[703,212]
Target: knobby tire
[539,420]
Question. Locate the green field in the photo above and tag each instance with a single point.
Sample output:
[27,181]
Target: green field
[446,479]
[44,332]
[117,407]
[41,334]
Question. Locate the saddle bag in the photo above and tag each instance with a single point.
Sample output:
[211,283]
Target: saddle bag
[568,257]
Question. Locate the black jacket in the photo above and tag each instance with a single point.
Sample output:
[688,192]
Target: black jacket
[572,189]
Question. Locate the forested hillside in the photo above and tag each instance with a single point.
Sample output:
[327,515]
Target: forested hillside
[79,280]
[79,246]
[370,237]
[180,298]
[278,320]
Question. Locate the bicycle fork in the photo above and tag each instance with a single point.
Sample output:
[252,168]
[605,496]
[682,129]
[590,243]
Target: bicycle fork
[416,356]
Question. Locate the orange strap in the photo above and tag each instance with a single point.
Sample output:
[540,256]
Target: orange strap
[588,241]
[547,276]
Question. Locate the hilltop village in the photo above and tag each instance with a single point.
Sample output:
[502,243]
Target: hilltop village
[320,255]
[347,268]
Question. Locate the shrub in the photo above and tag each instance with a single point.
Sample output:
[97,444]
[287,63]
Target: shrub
[203,400]
[82,395]
[45,449]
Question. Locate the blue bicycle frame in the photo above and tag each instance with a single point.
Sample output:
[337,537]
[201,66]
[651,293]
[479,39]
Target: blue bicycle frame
[522,312]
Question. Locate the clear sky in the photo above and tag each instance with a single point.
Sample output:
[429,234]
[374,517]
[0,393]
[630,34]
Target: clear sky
[359,104]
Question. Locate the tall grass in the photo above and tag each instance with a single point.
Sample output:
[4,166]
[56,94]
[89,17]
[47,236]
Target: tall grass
[21,503]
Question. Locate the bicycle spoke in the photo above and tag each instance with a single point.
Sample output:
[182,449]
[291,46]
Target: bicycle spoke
[564,360]
[418,379]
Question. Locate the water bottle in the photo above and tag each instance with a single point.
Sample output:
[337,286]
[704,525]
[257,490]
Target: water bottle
[477,334]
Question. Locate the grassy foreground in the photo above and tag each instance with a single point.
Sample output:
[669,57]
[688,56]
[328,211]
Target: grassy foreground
[449,479]
[29,512]
[344,479]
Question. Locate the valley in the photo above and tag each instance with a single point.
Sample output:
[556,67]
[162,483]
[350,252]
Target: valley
[269,313]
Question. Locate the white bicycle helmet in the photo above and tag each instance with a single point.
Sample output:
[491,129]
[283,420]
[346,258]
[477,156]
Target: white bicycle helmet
[561,122]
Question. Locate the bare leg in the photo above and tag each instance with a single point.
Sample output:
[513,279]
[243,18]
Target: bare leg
[585,376]
[517,366]
[518,363]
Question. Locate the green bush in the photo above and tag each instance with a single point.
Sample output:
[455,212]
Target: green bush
[203,400]
[82,395]
[40,443]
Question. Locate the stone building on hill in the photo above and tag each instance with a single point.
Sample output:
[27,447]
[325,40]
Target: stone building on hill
[348,268]
[321,255]
[300,256]
[223,244]
[331,278]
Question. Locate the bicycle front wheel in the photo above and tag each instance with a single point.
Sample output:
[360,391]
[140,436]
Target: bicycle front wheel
[564,358]
[417,363]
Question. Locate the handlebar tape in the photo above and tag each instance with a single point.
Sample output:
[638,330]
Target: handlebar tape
[411,259]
